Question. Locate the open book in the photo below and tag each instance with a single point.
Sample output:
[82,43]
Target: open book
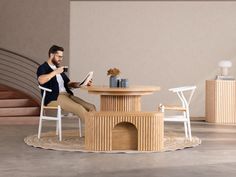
[87,78]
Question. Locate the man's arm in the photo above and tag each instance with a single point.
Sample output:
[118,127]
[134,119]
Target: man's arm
[74,84]
[47,77]
[77,84]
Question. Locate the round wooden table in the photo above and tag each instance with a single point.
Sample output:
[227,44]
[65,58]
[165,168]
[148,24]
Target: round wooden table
[121,99]
[121,125]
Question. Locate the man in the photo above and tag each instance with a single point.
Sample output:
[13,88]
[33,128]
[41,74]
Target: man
[51,75]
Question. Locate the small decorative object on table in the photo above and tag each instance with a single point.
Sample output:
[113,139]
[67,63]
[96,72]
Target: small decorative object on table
[113,73]
[124,83]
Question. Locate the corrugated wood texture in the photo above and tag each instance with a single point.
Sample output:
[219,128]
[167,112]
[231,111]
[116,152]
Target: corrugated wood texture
[221,101]
[120,103]
[100,127]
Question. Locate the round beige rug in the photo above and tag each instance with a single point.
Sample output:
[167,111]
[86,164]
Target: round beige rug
[72,142]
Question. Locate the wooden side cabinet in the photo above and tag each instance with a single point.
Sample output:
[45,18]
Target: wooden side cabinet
[221,101]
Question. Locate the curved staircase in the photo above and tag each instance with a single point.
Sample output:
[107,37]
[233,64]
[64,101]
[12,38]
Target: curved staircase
[16,107]
[19,93]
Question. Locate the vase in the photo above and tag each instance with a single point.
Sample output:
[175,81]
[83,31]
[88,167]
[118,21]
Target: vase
[113,81]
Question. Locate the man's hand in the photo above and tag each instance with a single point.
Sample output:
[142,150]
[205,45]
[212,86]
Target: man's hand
[59,70]
[90,83]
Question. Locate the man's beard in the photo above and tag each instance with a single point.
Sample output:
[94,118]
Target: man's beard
[55,62]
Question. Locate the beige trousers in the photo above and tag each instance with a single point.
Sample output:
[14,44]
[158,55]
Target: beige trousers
[73,104]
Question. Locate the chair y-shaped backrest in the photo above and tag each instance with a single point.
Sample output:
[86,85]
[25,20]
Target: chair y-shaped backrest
[180,92]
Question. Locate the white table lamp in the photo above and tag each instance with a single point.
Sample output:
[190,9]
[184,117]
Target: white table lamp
[224,65]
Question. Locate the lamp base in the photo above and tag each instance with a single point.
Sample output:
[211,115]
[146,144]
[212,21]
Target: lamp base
[220,77]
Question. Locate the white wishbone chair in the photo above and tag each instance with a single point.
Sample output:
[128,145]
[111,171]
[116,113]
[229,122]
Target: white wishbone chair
[57,118]
[184,108]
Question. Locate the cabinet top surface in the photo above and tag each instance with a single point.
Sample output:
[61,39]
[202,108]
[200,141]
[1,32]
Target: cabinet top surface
[221,80]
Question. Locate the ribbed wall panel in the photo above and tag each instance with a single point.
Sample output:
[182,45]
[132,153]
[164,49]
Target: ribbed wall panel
[120,103]
[221,101]
[99,126]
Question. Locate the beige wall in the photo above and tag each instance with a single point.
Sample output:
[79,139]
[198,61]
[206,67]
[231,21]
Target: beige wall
[153,43]
[30,27]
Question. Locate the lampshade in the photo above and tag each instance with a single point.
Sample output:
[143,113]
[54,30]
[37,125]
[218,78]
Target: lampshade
[225,64]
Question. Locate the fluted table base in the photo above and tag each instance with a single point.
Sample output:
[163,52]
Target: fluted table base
[120,103]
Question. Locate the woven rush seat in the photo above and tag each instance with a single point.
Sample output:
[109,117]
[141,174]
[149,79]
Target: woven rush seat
[174,107]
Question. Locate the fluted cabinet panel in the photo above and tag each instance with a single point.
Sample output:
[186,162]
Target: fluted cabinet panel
[100,125]
[221,101]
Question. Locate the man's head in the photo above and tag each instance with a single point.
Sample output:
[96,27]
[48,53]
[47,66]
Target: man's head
[55,54]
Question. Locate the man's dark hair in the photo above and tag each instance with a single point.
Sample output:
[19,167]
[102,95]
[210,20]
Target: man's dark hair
[54,49]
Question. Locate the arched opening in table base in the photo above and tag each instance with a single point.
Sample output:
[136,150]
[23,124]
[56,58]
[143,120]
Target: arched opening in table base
[125,137]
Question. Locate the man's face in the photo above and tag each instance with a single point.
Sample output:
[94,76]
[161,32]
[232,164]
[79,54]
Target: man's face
[57,58]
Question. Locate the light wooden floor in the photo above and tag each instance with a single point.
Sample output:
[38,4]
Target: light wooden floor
[215,157]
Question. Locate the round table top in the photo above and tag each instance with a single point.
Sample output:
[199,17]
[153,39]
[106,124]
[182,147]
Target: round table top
[131,90]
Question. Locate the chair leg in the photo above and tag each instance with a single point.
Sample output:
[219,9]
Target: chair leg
[57,127]
[80,128]
[189,131]
[189,127]
[185,125]
[40,128]
[60,133]
[59,122]
[186,129]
